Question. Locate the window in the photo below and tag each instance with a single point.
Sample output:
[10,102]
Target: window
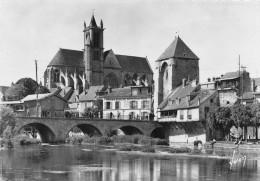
[108,105]
[181,114]
[133,104]
[211,100]
[117,105]
[56,76]
[206,110]
[96,39]
[145,104]
[189,114]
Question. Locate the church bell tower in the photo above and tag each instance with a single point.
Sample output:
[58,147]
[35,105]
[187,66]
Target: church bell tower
[93,53]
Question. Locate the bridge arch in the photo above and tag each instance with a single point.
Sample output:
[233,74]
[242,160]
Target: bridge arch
[46,133]
[130,130]
[88,129]
[158,133]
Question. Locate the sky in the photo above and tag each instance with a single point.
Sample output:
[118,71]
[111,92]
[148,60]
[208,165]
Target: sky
[217,32]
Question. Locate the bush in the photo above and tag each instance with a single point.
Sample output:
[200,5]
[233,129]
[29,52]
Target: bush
[122,139]
[104,140]
[75,139]
[23,139]
[130,148]
[6,143]
[90,140]
[148,149]
[176,150]
[196,151]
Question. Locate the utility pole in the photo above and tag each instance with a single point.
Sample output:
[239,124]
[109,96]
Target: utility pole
[239,88]
[36,88]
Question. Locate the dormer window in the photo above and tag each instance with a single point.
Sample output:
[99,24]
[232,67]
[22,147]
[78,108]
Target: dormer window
[184,54]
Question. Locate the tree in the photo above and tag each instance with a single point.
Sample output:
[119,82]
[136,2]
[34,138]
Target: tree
[255,120]
[241,115]
[22,88]
[7,119]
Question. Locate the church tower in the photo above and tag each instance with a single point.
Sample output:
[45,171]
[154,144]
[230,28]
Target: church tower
[93,53]
[177,63]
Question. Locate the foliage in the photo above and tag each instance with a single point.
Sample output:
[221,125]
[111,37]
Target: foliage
[111,132]
[255,110]
[241,115]
[148,149]
[24,139]
[22,88]
[91,112]
[176,150]
[104,140]
[130,148]
[75,139]
[7,118]
[90,140]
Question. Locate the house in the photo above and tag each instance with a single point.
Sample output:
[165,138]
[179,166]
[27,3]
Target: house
[132,103]
[3,89]
[190,104]
[44,105]
[90,99]
[250,98]
[255,82]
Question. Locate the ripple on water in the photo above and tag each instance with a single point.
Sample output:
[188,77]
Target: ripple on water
[83,168]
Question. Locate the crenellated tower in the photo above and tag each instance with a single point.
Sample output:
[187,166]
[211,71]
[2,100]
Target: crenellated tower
[93,53]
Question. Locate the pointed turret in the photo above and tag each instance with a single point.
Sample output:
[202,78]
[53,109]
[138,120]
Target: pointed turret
[85,27]
[93,22]
[101,24]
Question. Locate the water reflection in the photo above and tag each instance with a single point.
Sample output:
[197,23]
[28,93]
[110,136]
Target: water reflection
[77,163]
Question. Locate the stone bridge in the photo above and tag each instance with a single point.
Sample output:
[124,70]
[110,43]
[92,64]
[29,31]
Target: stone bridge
[53,130]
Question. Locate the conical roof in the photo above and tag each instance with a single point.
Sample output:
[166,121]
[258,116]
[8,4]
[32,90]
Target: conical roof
[68,58]
[93,22]
[178,49]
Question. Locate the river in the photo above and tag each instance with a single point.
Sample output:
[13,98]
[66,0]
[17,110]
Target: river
[95,163]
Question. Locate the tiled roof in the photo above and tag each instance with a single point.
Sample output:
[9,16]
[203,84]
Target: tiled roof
[178,49]
[124,92]
[231,75]
[66,92]
[91,93]
[134,64]
[34,97]
[69,58]
[248,95]
[179,98]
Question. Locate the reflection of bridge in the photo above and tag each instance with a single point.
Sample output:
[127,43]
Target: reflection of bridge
[57,129]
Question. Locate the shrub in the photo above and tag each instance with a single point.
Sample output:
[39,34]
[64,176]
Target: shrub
[148,149]
[104,140]
[176,150]
[126,148]
[122,139]
[23,139]
[90,140]
[196,151]
[75,139]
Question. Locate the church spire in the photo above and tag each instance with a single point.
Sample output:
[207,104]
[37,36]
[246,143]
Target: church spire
[101,24]
[93,22]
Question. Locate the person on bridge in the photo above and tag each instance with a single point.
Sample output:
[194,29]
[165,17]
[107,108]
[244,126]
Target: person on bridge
[111,115]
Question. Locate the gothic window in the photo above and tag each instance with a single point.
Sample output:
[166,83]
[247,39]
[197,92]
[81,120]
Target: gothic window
[96,39]
[56,76]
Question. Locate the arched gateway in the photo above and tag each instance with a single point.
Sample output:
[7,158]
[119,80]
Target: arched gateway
[53,130]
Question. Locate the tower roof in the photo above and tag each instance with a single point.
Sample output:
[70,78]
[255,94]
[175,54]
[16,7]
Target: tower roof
[68,58]
[93,22]
[178,49]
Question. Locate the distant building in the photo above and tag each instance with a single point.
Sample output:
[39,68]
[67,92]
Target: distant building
[133,102]
[231,86]
[93,66]
[47,105]
[250,98]
[175,63]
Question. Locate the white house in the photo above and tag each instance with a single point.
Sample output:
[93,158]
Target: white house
[128,103]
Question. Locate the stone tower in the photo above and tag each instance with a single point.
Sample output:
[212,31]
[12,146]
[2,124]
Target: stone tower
[93,53]
[176,63]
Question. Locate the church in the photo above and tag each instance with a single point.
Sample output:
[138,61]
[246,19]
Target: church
[93,66]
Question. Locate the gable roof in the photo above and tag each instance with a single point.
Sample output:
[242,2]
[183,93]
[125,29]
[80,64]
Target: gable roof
[91,93]
[230,75]
[134,64]
[178,49]
[68,58]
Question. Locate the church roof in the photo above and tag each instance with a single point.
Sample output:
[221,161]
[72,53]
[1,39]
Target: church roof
[92,22]
[178,49]
[68,58]
[134,64]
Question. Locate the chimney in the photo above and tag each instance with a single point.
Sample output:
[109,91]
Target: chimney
[109,89]
[183,82]
[188,100]
[209,80]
